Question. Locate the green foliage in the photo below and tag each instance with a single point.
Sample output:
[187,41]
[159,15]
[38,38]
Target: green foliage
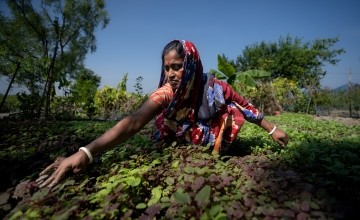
[240,81]
[315,176]
[264,98]
[353,99]
[138,87]
[122,85]
[108,100]
[62,107]
[50,42]
[29,105]
[288,94]
[115,103]
[324,99]
[291,58]
[11,103]
[83,92]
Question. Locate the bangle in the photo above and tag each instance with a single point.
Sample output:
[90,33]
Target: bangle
[87,153]
[273,130]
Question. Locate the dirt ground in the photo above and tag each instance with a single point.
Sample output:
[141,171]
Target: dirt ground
[340,115]
[2,115]
[344,120]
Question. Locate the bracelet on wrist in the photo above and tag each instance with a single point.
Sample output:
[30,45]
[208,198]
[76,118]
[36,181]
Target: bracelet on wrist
[273,130]
[88,153]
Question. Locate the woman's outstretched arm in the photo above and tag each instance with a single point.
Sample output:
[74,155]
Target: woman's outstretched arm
[122,131]
[125,128]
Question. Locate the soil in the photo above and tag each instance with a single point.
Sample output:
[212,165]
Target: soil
[344,120]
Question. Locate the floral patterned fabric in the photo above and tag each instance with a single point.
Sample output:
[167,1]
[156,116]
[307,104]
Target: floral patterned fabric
[200,106]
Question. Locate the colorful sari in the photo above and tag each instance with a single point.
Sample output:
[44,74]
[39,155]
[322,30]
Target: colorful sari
[203,110]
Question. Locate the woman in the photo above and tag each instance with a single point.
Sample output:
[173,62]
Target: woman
[188,105]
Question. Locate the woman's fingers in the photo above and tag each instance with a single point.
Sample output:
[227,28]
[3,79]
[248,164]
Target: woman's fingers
[58,177]
[47,181]
[52,166]
[46,178]
[286,140]
[54,178]
[41,179]
[281,143]
[47,169]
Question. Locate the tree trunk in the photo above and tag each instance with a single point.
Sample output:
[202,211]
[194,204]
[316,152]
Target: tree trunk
[49,82]
[307,108]
[350,109]
[10,84]
[48,94]
[43,97]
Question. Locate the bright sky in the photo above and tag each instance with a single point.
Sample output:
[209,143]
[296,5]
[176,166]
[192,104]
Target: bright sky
[139,29]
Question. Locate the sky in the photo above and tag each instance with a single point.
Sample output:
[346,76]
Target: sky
[139,29]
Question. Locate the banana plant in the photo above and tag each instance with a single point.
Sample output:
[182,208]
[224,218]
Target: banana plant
[237,79]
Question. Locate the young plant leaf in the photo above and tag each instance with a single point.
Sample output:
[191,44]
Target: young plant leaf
[225,67]
[216,209]
[181,197]
[155,195]
[246,79]
[203,196]
[175,164]
[141,206]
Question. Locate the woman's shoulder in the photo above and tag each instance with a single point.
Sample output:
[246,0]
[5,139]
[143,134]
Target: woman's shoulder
[166,88]
[162,95]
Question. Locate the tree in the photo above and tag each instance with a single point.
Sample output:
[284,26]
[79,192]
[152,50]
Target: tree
[291,58]
[63,33]
[294,60]
[353,99]
[12,51]
[324,101]
[83,90]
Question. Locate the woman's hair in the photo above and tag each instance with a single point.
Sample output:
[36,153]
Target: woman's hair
[174,45]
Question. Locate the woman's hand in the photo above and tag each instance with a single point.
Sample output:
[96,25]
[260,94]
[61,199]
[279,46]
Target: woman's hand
[280,137]
[54,173]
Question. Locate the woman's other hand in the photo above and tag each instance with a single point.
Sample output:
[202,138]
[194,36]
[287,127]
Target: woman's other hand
[280,137]
[54,173]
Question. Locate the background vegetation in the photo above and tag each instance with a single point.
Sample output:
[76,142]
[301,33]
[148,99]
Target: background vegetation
[43,49]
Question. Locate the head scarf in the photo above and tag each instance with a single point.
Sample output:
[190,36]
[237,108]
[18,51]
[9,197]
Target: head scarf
[184,103]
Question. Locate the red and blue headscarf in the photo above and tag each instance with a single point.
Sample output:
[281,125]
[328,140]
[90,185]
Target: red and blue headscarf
[184,103]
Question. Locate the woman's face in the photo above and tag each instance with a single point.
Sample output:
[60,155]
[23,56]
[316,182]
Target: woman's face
[173,67]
